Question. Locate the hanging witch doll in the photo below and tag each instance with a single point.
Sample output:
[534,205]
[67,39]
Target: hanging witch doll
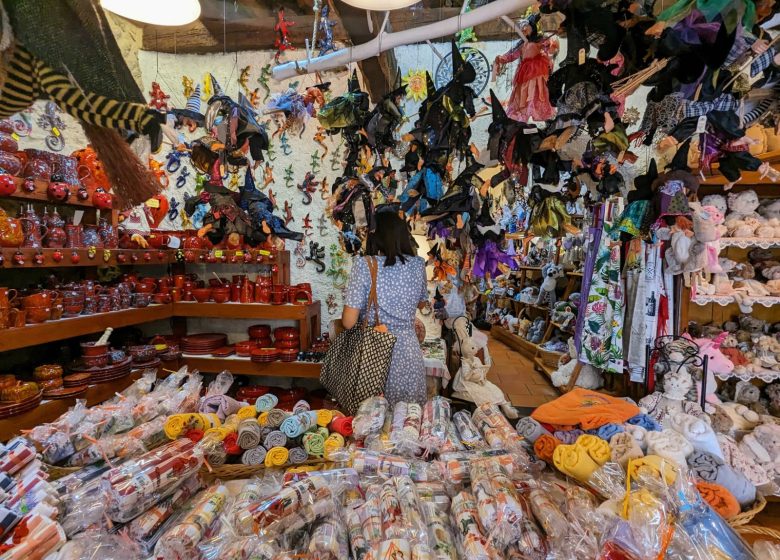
[385,119]
[530,98]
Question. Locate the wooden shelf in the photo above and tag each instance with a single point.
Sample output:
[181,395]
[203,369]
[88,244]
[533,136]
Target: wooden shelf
[747,177]
[561,328]
[246,310]
[544,368]
[40,194]
[50,331]
[527,349]
[575,273]
[48,411]
[245,366]
[84,259]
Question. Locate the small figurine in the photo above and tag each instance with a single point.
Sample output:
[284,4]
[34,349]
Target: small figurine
[243,78]
[308,186]
[322,225]
[325,28]
[173,209]
[181,180]
[190,116]
[325,189]
[254,97]
[157,170]
[288,176]
[187,84]
[268,175]
[307,222]
[335,159]
[271,152]
[333,305]
[207,89]
[265,75]
[51,121]
[315,161]
[288,215]
[159,99]
[282,42]
[337,269]
[272,198]
[316,255]
[286,149]
[319,137]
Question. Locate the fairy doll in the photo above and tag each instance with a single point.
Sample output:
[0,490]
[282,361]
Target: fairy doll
[529,98]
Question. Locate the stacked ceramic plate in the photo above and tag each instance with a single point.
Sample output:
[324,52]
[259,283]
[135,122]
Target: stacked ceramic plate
[203,343]
[265,355]
[65,392]
[75,380]
[12,409]
[107,373]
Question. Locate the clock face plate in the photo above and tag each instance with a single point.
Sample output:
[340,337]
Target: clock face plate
[477,59]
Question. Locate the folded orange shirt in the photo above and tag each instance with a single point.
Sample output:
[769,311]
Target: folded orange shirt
[589,409]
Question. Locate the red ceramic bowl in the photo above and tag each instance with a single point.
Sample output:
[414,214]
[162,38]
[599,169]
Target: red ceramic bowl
[95,361]
[201,295]
[265,353]
[245,347]
[284,344]
[92,349]
[220,295]
[161,298]
[259,331]
[286,333]
[264,342]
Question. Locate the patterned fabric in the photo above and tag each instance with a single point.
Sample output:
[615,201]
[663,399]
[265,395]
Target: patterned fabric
[724,102]
[399,289]
[602,332]
[28,78]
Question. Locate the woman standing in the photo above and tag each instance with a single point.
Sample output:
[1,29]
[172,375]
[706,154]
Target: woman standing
[401,289]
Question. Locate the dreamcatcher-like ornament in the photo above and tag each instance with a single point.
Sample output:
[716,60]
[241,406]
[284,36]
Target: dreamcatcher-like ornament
[414,81]
[477,59]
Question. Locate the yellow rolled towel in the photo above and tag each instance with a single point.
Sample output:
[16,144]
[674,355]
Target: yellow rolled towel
[597,448]
[263,418]
[216,434]
[209,420]
[247,412]
[655,466]
[334,442]
[276,457]
[574,461]
[324,417]
[174,425]
[232,422]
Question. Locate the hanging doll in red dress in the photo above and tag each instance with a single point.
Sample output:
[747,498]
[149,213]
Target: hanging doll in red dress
[529,98]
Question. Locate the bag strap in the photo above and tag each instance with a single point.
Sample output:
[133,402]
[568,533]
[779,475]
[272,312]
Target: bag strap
[372,297]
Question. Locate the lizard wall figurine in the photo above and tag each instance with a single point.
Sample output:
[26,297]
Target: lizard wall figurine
[316,255]
[272,198]
[286,149]
[265,75]
[325,189]
[268,175]
[315,161]
[288,215]
[322,225]
[243,79]
[319,137]
[288,176]
[335,159]
[307,222]
[308,186]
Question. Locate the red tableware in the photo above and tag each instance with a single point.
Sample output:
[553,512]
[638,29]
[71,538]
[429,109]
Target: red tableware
[286,344]
[95,361]
[264,342]
[201,295]
[223,352]
[65,392]
[288,355]
[75,380]
[220,295]
[37,315]
[286,333]
[259,331]
[162,299]
[279,295]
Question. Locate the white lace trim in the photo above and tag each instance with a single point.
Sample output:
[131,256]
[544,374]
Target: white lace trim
[766,375]
[745,242]
[766,301]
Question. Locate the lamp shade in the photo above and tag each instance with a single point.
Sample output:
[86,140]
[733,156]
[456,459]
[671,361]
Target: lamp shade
[380,5]
[169,12]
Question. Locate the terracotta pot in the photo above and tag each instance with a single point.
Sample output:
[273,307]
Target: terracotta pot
[92,349]
[38,314]
[162,299]
[40,299]
[95,361]
[220,295]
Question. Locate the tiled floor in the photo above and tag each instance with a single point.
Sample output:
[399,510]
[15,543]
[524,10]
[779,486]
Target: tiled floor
[515,374]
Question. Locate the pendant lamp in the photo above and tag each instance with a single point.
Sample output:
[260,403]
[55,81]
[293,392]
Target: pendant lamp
[169,12]
[380,5]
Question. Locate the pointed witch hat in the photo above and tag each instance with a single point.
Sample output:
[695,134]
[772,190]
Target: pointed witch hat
[192,109]
[216,88]
[430,87]
[462,70]
[353,85]
[499,114]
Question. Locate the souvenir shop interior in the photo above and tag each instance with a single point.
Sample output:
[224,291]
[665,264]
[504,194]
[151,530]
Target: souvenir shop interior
[389,280]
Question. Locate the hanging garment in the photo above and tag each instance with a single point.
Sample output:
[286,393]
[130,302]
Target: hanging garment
[594,239]
[602,332]
[635,325]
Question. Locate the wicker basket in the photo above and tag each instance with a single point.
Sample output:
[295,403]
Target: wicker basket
[747,516]
[549,357]
[753,533]
[56,472]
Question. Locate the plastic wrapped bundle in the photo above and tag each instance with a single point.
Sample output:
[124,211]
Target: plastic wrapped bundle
[440,538]
[17,453]
[455,467]
[180,540]
[368,463]
[496,429]
[136,485]
[35,537]
[498,504]
[548,514]
[468,432]
[435,422]
[144,527]
[329,540]
[397,426]
[370,515]
[370,417]
[452,441]
[474,545]
[357,541]
[299,503]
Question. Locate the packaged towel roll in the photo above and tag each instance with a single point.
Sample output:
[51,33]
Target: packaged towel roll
[530,429]
[248,434]
[370,417]
[397,425]
[368,463]
[357,542]
[435,422]
[548,514]
[597,448]
[329,540]
[473,543]
[370,515]
[297,424]
[574,461]
[468,432]
[710,468]
[143,527]
[180,540]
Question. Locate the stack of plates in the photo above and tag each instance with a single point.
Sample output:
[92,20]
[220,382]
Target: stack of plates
[202,344]
[65,392]
[12,409]
[152,364]
[104,374]
[75,380]
[288,355]
[265,355]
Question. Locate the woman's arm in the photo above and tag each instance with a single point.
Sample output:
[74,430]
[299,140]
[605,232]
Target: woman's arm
[349,317]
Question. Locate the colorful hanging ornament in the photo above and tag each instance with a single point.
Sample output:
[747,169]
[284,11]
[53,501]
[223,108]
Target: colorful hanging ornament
[190,116]
[282,42]
[159,99]
[315,161]
[316,255]
[319,137]
[268,175]
[288,176]
[188,85]
[51,122]
[416,89]
[265,75]
[308,186]
[286,149]
[243,78]
[325,27]
[466,35]
[288,215]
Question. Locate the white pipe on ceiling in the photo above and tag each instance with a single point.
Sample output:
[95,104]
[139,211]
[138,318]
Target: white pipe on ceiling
[387,41]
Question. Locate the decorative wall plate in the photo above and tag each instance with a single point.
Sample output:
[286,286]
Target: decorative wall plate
[477,59]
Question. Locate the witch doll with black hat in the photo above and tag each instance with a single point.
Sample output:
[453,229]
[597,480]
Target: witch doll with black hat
[385,118]
[347,114]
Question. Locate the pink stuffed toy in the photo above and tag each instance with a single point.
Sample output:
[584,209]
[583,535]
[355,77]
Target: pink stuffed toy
[706,220]
[718,363]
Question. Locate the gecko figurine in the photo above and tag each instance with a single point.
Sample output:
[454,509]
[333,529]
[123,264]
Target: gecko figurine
[308,186]
[272,198]
[319,137]
[322,225]
[243,78]
[335,159]
[188,86]
[307,222]
[286,149]
[265,75]
[288,176]
[268,175]
[288,215]
[315,161]
[325,189]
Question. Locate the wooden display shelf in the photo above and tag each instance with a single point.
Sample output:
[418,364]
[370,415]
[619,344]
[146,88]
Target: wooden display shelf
[527,349]
[41,194]
[48,411]
[308,316]
[544,368]
[84,260]
[747,177]
[245,366]
[31,335]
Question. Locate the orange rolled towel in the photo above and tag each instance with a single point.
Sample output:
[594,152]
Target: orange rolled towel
[719,498]
[544,447]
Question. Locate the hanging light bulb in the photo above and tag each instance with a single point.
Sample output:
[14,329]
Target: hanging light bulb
[169,12]
[380,5]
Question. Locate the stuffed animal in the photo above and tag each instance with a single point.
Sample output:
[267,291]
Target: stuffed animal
[564,314]
[588,378]
[522,327]
[672,399]
[550,274]
[770,208]
[536,331]
[742,205]
[768,436]
[722,284]
[706,220]
[716,200]
[773,395]
[718,364]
